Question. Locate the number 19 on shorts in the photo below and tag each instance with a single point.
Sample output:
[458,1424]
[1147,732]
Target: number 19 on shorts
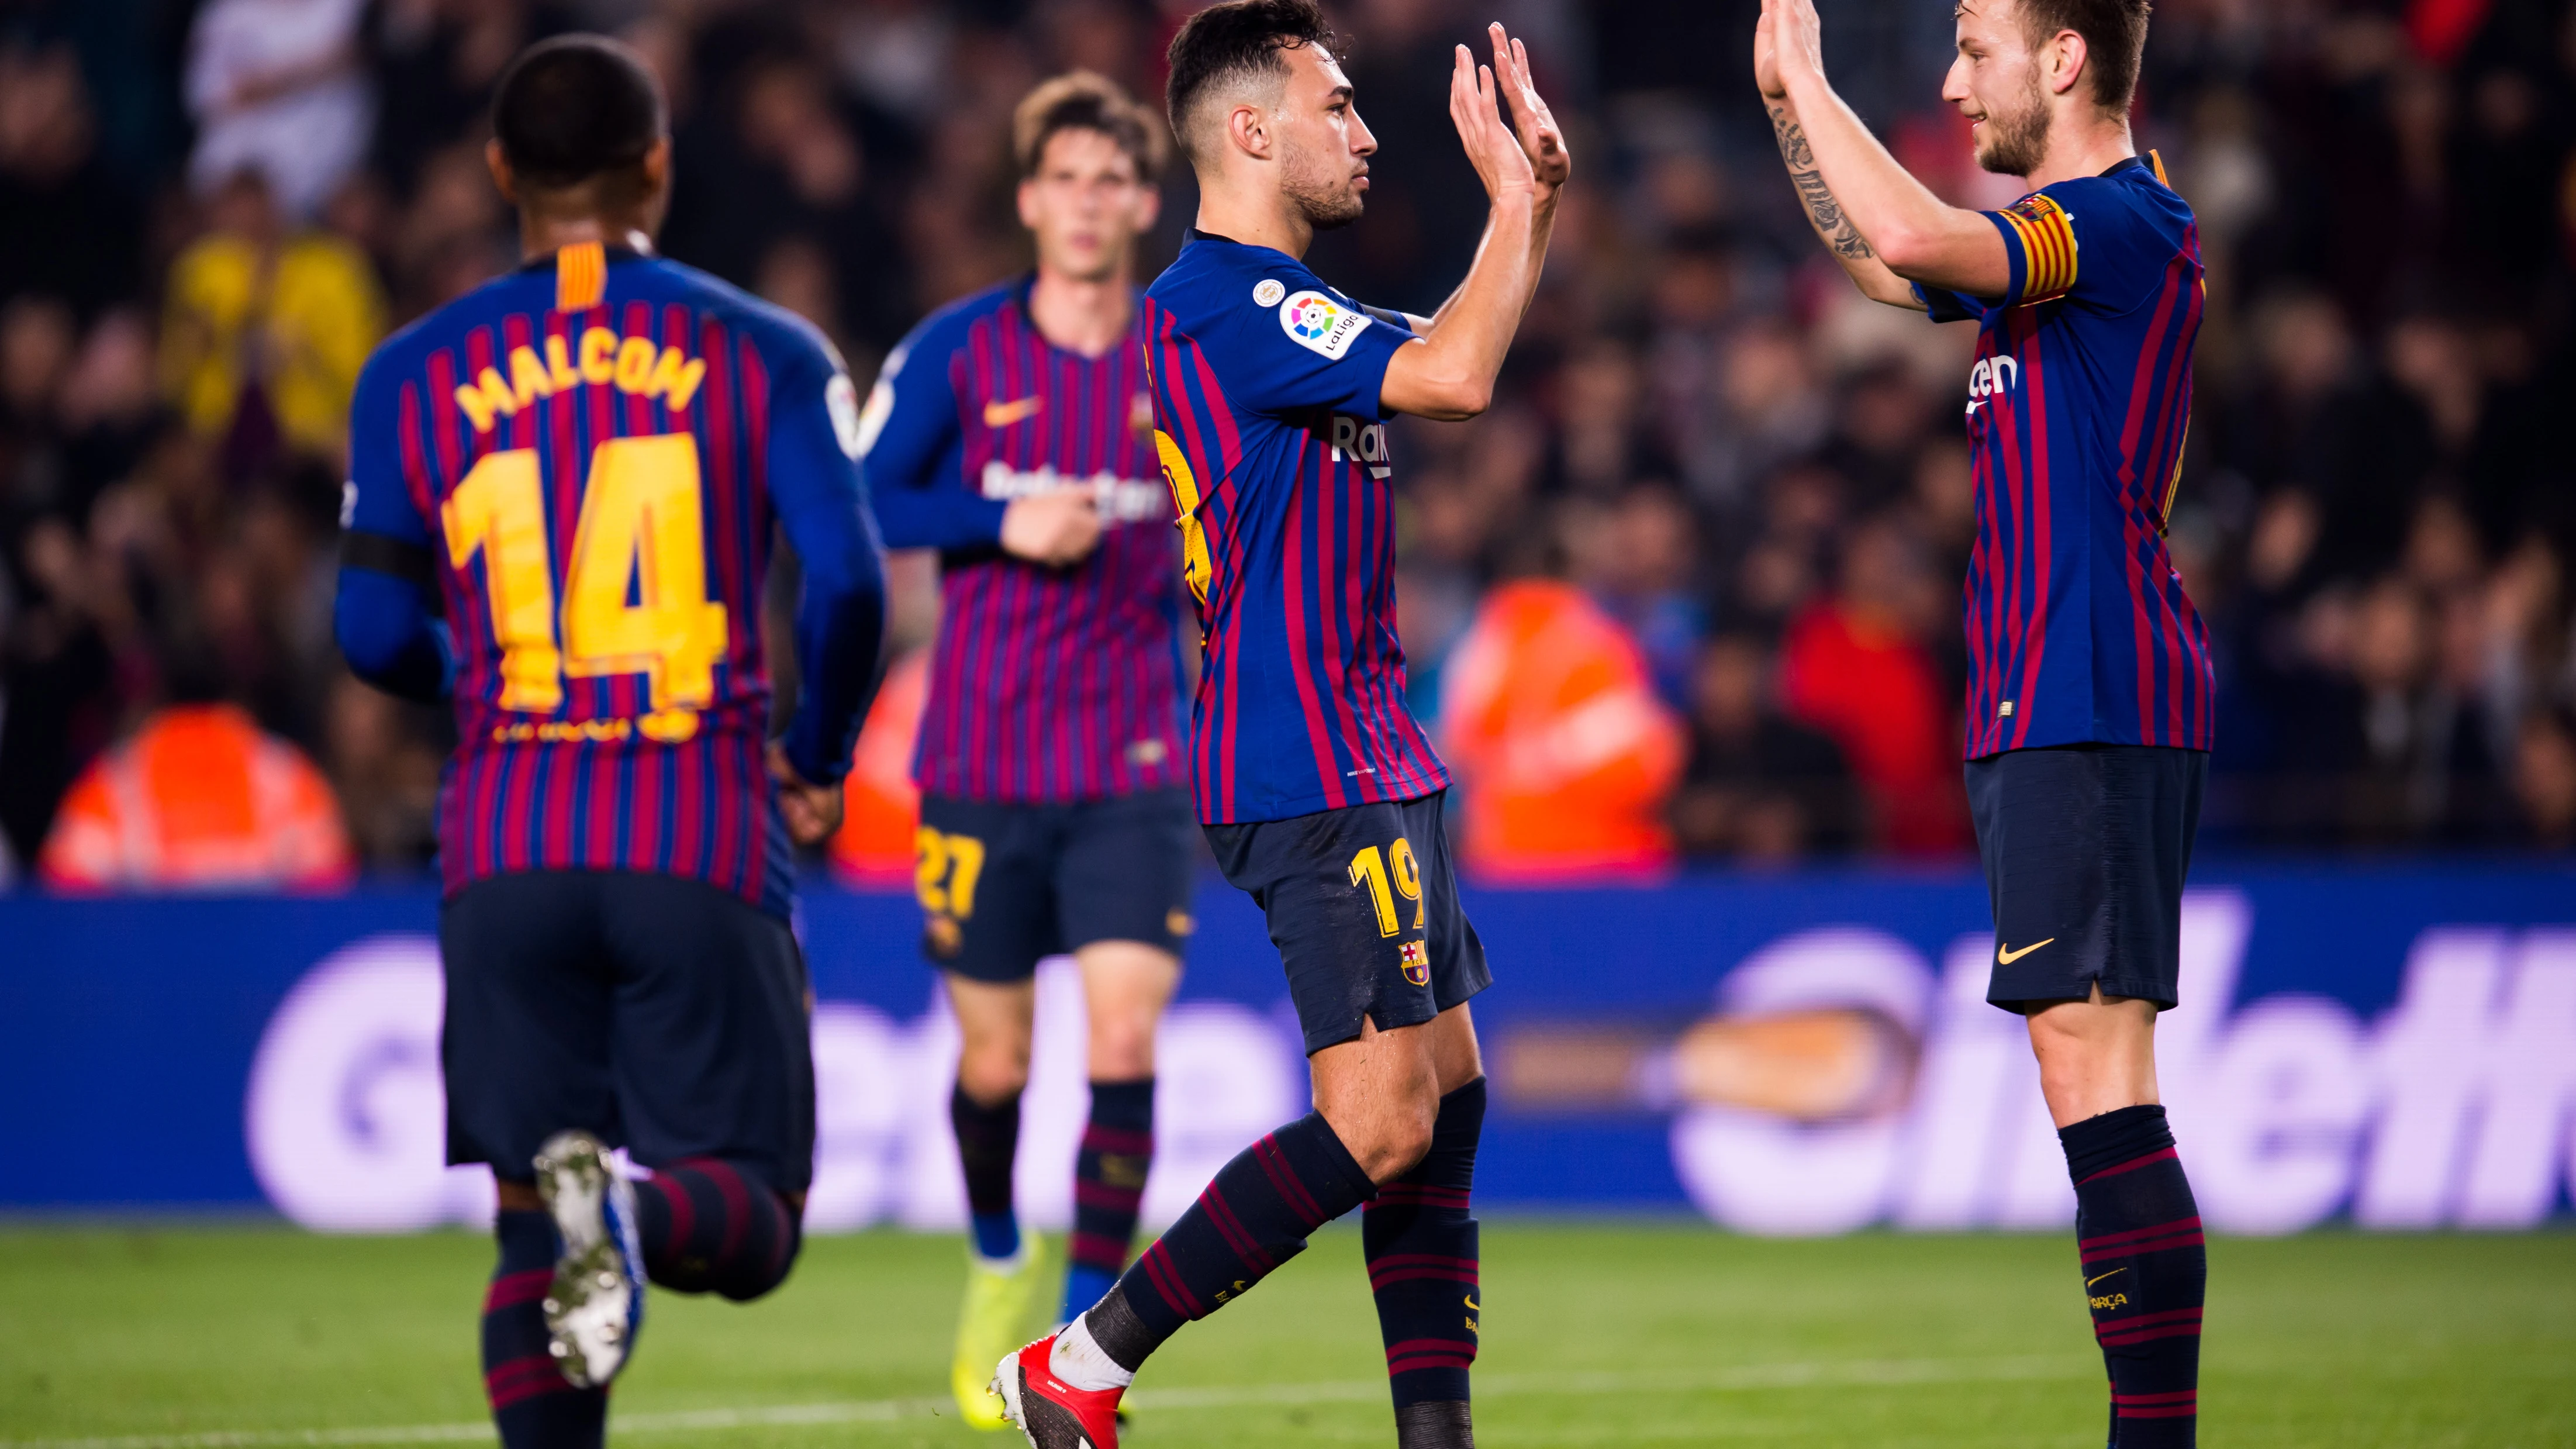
[1385,875]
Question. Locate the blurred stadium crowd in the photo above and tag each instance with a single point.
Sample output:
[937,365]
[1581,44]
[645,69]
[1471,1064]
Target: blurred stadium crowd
[1689,590]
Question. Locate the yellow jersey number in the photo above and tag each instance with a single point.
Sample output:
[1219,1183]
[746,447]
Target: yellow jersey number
[640,522]
[1196,565]
[1387,875]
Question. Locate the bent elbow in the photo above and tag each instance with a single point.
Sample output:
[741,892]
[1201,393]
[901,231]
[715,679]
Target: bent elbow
[1904,250]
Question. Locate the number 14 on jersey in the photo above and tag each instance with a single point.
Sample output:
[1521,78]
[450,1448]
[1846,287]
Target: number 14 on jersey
[640,533]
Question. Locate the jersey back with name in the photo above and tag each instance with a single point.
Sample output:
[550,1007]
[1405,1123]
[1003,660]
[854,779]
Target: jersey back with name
[582,446]
[2079,404]
[1273,441]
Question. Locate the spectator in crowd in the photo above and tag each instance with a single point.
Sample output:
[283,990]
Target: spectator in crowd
[2377,507]
[1855,667]
[1760,787]
[266,326]
[277,87]
[1563,753]
[199,799]
[66,231]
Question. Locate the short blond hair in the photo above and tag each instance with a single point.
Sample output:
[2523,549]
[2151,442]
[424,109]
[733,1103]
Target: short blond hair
[1086,101]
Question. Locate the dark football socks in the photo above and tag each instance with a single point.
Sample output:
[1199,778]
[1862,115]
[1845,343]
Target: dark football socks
[1421,1248]
[2145,1270]
[532,1406]
[1108,1182]
[1254,1216]
[988,1140]
[709,1225]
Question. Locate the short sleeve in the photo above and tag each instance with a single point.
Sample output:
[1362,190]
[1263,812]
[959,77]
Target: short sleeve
[377,499]
[1298,346]
[2086,240]
[1948,306]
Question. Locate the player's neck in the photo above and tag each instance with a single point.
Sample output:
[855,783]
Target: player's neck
[2083,150]
[1082,314]
[1259,219]
[543,236]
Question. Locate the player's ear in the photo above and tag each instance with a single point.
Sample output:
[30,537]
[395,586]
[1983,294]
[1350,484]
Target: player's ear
[1249,130]
[1149,206]
[2064,60]
[1025,196]
[499,165]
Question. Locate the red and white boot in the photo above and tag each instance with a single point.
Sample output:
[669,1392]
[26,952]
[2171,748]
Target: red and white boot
[1052,1413]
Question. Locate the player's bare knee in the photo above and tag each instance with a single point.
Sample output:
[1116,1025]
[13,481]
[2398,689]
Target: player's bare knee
[1122,1050]
[993,1074]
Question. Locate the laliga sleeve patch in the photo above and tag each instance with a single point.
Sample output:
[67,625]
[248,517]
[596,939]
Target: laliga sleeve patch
[1268,291]
[1320,324]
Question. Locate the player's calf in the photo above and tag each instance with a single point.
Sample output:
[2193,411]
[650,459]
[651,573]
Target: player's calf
[533,1405]
[709,1225]
[1420,1243]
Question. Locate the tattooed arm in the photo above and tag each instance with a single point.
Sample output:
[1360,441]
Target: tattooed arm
[1884,226]
[1832,224]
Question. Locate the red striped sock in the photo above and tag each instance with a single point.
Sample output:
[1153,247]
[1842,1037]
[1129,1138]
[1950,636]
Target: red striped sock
[1254,1215]
[1108,1184]
[2145,1272]
[532,1406]
[710,1225]
[1422,1257]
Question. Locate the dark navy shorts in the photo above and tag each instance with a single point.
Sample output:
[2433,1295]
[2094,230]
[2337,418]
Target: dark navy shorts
[2085,848]
[1003,886]
[665,1015]
[1363,905]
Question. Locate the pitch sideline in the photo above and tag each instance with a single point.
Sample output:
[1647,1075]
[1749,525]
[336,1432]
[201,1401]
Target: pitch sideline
[1858,1373]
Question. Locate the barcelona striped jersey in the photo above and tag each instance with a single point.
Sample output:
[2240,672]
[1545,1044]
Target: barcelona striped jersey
[1047,685]
[582,462]
[2078,406]
[1274,445]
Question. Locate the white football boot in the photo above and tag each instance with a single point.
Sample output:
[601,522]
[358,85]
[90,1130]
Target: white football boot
[595,1306]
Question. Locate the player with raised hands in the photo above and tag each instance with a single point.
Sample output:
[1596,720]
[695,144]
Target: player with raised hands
[1320,795]
[2090,684]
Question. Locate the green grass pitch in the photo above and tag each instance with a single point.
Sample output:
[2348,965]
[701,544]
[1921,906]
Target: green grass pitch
[238,1337]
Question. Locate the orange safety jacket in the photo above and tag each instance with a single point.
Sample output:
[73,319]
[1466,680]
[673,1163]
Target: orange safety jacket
[201,799]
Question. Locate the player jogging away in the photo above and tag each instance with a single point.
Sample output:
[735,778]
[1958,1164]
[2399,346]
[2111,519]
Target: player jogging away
[1011,431]
[579,464]
[1320,796]
[2089,686]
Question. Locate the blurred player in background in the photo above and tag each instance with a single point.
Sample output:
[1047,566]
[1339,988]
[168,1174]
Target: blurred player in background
[2089,691]
[579,465]
[1012,432]
[1320,795]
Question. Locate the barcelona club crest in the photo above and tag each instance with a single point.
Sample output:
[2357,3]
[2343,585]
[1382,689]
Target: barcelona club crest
[1416,956]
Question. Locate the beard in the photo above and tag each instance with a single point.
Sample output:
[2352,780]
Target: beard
[2014,143]
[1326,200]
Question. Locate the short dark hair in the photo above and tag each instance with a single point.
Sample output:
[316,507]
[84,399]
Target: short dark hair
[1085,101]
[2115,38]
[575,107]
[1235,41]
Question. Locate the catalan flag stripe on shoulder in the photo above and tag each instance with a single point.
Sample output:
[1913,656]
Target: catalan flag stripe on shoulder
[2048,243]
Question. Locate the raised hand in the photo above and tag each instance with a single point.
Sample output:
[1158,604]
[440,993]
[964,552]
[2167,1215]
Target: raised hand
[1792,40]
[1541,140]
[1492,149]
[1766,59]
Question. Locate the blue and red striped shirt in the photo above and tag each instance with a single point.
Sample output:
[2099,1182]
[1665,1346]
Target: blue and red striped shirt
[2078,406]
[1274,445]
[584,459]
[1047,685]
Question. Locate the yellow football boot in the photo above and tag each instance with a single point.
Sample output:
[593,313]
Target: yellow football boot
[999,1315]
